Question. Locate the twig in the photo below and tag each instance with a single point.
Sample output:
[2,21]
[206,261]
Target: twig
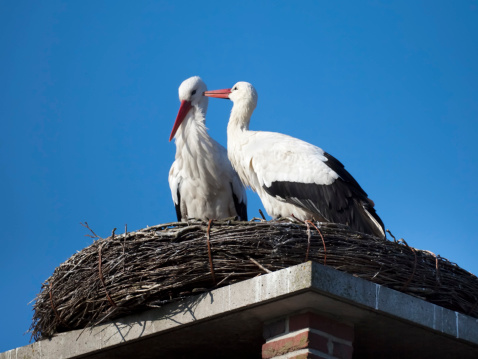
[262,214]
[102,279]
[124,244]
[473,307]
[323,241]
[88,227]
[209,251]
[224,279]
[437,268]
[259,265]
[388,231]
[414,264]
[308,241]
[57,315]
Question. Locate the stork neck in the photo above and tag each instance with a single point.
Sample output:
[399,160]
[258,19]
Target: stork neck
[192,134]
[240,117]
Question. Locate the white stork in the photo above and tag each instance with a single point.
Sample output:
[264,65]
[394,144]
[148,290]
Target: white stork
[203,183]
[293,177]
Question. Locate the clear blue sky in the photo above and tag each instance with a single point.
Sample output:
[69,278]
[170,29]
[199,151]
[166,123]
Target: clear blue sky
[89,96]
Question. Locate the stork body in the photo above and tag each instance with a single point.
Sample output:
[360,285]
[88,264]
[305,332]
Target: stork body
[291,176]
[203,183]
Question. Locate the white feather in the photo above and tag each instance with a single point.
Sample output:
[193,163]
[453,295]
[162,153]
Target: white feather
[261,158]
[201,170]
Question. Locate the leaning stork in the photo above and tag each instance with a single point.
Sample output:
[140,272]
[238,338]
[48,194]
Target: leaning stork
[203,183]
[293,177]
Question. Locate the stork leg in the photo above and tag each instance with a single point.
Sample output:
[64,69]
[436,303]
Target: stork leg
[321,236]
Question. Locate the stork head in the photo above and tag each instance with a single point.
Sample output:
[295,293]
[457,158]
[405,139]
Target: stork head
[244,96]
[240,92]
[191,96]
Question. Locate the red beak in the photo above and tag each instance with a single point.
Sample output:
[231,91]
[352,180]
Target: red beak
[183,111]
[218,93]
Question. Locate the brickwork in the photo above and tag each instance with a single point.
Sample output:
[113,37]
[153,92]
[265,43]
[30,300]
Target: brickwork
[308,336]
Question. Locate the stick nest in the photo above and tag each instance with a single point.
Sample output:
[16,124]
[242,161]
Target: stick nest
[135,271]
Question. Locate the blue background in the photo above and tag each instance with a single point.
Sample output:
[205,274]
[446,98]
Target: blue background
[88,98]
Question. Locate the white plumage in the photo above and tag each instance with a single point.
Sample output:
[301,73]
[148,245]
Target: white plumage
[293,177]
[203,183]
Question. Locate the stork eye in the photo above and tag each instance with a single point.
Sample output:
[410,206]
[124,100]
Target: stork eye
[235,88]
[193,93]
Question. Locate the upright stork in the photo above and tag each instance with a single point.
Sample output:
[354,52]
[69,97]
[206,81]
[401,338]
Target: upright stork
[293,177]
[203,183]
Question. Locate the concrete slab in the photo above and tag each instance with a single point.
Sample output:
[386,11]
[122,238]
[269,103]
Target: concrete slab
[228,322]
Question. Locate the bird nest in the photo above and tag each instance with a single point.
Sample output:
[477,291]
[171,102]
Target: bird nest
[135,271]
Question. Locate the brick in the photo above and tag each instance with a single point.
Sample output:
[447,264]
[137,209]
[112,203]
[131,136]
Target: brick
[299,321]
[303,340]
[318,342]
[318,322]
[342,351]
[275,328]
[306,356]
[284,346]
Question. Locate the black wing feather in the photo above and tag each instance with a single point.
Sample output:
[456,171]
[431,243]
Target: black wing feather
[339,168]
[343,201]
[178,205]
[241,207]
